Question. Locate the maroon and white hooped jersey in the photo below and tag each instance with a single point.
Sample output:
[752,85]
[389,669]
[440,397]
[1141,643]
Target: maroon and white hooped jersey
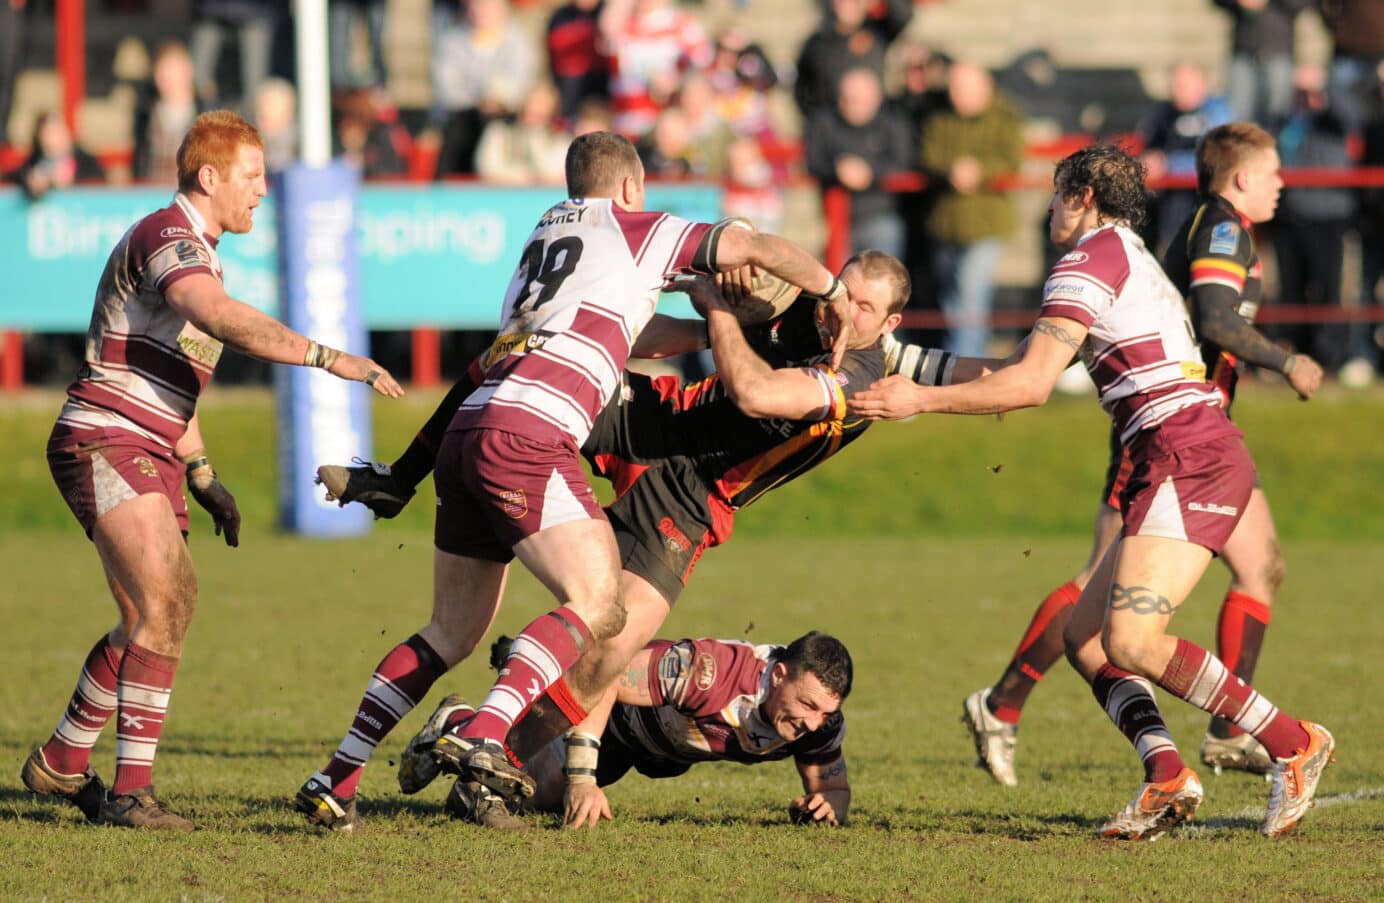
[587,283]
[707,696]
[145,363]
[1140,349]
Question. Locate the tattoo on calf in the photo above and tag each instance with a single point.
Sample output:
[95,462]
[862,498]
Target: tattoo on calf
[1139,599]
[1048,328]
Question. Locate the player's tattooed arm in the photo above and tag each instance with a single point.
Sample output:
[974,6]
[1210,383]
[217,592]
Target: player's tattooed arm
[1049,328]
[1141,600]
[1216,319]
[826,795]
[632,686]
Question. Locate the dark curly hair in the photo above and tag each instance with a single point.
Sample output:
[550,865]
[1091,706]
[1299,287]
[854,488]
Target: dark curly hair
[823,656]
[1116,180]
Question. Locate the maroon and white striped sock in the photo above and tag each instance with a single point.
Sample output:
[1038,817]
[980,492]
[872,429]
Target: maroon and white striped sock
[92,704]
[1203,680]
[1128,700]
[541,653]
[401,681]
[142,690]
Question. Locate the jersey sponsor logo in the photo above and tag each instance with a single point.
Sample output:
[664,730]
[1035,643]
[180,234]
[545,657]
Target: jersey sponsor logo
[513,343]
[704,671]
[1224,238]
[175,231]
[189,254]
[1225,510]
[1069,287]
[199,350]
[674,538]
[146,466]
[1072,258]
[1194,370]
[514,503]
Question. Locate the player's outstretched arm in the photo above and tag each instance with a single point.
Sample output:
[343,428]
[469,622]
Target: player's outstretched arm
[934,366]
[826,798]
[204,486]
[1023,384]
[201,299]
[666,336]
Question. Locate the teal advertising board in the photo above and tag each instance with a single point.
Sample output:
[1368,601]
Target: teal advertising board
[430,255]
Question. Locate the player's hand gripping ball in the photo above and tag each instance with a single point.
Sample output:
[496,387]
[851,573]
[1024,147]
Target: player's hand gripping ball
[756,296]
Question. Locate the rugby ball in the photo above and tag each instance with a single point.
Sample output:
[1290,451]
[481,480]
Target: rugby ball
[769,297]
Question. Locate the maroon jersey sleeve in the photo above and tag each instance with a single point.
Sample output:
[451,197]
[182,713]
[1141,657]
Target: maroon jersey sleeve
[668,245]
[701,677]
[163,249]
[1085,282]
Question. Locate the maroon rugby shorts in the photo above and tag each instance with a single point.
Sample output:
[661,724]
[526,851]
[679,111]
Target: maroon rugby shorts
[94,477]
[1196,493]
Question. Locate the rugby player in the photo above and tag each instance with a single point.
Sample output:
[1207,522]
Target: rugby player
[509,479]
[706,700]
[127,436]
[1214,264]
[1109,301]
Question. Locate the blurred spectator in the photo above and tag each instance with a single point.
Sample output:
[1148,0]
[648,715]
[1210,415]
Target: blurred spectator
[253,23]
[848,37]
[1259,78]
[707,129]
[531,150]
[593,116]
[964,149]
[854,146]
[1357,31]
[924,87]
[55,161]
[751,190]
[1363,345]
[274,111]
[577,57]
[167,105]
[1169,133]
[342,18]
[1309,229]
[369,134]
[651,44]
[11,56]
[667,151]
[741,77]
[483,68]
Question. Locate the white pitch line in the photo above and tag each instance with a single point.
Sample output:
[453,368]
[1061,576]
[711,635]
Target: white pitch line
[1233,821]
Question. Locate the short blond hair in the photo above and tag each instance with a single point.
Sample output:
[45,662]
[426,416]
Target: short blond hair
[1224,149]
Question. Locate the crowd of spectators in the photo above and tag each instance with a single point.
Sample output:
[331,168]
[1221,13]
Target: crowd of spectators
[699,105]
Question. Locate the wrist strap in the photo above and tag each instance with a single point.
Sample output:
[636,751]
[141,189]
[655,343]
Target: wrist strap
[1289,365]
[321,356]
[583,752]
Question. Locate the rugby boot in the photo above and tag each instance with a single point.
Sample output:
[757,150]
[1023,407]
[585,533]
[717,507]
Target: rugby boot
[994,739]
[485,762]
[1242,753]
[474,802]
[1295,780]
[371,484]
[417,766]
[1156,809]
[325,809]
[141,809]
[85,790]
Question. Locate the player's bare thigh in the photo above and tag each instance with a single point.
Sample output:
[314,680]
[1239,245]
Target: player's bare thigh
[143,551]
[579,562]
[1252,552]
[1153,576]
[466,597]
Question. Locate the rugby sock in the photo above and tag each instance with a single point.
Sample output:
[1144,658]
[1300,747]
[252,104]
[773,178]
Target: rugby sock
[142,689]
[1239,637]
[418,459]
[554,714]
[1040,648]
[1203,680]
[540,655]
[93,702]
[1128,700]
[401,680]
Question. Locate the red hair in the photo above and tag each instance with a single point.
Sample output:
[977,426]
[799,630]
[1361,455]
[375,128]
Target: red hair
[214,140]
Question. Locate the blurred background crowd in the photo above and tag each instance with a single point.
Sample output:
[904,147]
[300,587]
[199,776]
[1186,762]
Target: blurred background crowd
[927,126]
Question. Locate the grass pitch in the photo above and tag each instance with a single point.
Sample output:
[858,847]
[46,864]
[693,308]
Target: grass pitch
[289,630]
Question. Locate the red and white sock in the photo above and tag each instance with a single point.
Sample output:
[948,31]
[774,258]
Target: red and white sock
[143,687]
[1128,700]
[541,653]
[401,680]
[1239,637]
[1203,680]
[92,704]
[1038,651]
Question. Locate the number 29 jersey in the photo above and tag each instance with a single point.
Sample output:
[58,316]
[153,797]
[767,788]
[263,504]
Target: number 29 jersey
[586,284]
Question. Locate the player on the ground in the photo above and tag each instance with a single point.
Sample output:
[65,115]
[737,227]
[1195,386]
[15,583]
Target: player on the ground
[680,703]
[509,478]
[126,437]
[1214,264]
[1109,301]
